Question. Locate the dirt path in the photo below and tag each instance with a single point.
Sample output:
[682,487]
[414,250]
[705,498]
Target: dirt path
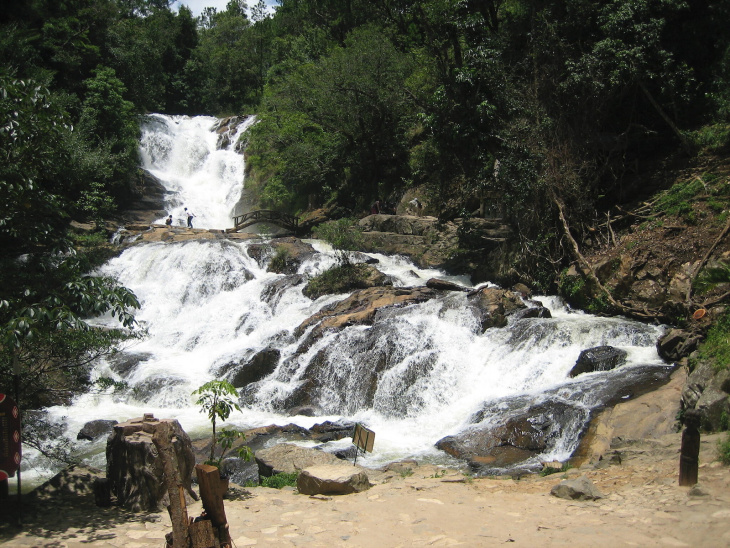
[643,505]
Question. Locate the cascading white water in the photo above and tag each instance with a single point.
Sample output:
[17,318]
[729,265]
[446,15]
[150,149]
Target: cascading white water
[205,305]
[183,154]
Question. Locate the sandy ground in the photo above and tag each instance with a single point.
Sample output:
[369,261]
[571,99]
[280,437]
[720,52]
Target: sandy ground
[643,503]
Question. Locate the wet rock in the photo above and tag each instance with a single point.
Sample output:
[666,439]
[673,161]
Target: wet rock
[576,489]
[445,285]
[305,411]
[289,458]
[599,358]
[125,363]
[489,445]
[257,368]
[360,307]
[240,471]
[332,479]
[95,429]
[134,469]
[332,431]
[491,305]
[350,453]
[276,288]
[532,312]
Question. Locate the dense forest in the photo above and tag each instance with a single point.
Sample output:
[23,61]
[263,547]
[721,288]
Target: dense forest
[528,109]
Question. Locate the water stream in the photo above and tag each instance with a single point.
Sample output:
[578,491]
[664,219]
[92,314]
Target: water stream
[208,304]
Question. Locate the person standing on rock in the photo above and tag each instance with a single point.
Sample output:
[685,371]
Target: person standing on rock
[168,221]
[190,216]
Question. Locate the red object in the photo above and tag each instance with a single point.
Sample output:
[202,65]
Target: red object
[9,437]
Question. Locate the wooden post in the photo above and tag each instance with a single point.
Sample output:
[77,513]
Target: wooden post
[212,489]
[162,438]
[689,458]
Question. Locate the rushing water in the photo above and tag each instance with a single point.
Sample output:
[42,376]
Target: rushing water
[208,303]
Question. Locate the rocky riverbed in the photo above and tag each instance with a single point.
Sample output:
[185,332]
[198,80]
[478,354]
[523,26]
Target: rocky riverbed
[633,463]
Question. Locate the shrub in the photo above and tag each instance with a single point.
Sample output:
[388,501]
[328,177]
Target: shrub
[277,481]
[723,448]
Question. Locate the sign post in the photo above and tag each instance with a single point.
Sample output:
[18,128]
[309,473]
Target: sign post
[9,443]
[363,440]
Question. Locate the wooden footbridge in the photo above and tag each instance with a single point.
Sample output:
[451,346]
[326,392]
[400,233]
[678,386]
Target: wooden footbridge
[284,220]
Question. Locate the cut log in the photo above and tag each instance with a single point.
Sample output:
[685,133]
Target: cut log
[212,489]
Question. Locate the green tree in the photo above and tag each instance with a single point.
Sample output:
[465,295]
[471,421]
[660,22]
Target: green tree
[46,296]
[216,399]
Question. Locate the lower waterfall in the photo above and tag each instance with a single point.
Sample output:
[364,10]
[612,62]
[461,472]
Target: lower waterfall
[419,373]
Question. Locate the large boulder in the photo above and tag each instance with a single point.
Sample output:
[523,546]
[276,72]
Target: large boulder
[289,458]
[487,446]
[598,358]
[349,277]
[676,344]
[96,429]
[293,253]
[708,391]
[332,479]
[492,305]
[134,469]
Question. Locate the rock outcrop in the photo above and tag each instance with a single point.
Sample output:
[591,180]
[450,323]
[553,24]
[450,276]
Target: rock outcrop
[434,244]
[361,307]
[134,469]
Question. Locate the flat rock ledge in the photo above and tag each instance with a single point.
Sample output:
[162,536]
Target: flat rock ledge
[332,479]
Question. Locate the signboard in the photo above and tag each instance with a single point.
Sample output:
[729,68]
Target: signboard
[9,437]
[363,438]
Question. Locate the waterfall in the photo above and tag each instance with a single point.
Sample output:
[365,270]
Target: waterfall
[420,373]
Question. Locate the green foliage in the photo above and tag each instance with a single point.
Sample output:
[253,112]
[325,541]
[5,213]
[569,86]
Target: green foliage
[723,449]
[549,470]
[678,199]
[716,346]
[280,480]
[280,260]
[712,276]
[711,138]
[344,235]
[226,439]
[216,399]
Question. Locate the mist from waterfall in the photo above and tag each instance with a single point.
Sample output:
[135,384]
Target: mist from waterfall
[207,304]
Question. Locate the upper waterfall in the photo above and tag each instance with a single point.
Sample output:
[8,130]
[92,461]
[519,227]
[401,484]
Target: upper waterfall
[185,155]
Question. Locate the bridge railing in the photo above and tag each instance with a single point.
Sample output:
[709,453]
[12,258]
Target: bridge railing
[266,215]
